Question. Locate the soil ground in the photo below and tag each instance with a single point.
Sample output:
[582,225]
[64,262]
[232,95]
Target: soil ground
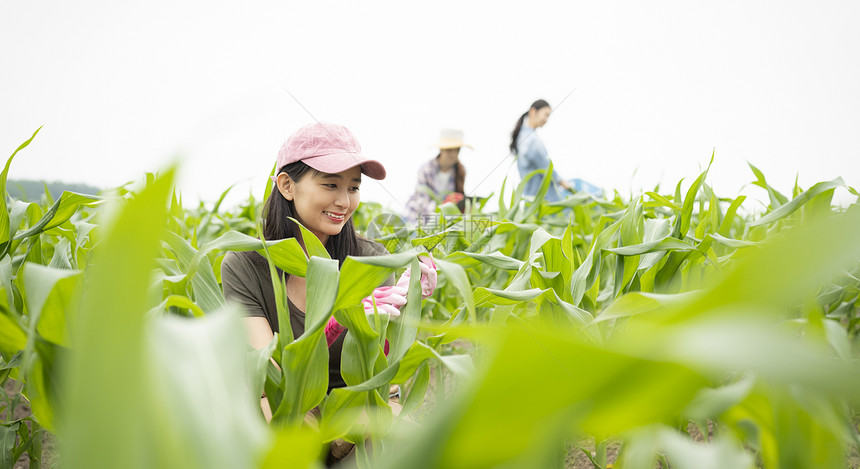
[49,442]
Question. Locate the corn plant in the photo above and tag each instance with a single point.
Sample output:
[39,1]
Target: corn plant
[620,320]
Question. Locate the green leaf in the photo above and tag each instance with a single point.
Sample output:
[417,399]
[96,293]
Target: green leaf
[797,202]
[776,199]
[536,204]
[305,360]
[52,297]
[12,337]
[289,257]
[279,289]
[207,292]
[644,302]
[287,254]
[60,212]
[711,403]
[584,277]
[472,432]
[311,243]
[8,433]
[400,371]
[683,453]
[105,424]
[322,280]
[486,296]
[631,233]
[415,396]
[200,365]
[732,243]
[361,275]
[177,301]
[257,364]
[664,201]
[666,244]
[682,222]
[457,276]
[731,213]
[5,229]
[293,447]
[495,259]
[403,332]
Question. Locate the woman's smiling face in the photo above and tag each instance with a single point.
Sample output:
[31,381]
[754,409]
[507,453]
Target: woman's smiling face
[323,202]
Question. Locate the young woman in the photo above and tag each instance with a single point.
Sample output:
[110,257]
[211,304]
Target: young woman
[318,179]
[441,178]
[531,153]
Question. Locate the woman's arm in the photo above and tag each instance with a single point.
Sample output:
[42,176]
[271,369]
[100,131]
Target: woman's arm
[421,201]
[259,335]
[535,154]
[235,275]
[427,177]
[538,158]
[258,332]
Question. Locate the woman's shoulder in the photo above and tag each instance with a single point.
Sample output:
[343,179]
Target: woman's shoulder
[431,165]
[369,247]
[244,260]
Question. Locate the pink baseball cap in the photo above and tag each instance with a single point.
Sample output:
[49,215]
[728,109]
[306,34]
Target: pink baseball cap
[329,148]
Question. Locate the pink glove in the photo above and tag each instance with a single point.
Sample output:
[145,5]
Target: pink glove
[388,300]
[428,276]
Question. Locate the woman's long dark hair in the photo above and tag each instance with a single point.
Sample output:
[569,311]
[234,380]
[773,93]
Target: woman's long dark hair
[537,106]
[459,175]
[278,210]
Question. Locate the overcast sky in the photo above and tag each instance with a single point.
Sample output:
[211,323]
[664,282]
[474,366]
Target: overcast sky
[642,92]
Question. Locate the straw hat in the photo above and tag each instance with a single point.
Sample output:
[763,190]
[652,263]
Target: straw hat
[451,138]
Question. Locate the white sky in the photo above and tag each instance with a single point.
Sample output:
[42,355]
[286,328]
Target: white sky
[123,88]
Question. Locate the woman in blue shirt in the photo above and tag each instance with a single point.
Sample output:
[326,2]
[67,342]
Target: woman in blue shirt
[531,152]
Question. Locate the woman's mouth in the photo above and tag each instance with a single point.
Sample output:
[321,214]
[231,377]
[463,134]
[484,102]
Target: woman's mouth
[337,217]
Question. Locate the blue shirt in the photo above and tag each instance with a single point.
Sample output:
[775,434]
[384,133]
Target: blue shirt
[532,155]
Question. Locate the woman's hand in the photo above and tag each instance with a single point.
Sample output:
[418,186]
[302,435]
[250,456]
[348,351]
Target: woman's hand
[388,300]
[454,197]
[428,276]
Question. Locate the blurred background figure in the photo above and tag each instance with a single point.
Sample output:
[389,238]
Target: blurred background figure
[441,179]
[532,154]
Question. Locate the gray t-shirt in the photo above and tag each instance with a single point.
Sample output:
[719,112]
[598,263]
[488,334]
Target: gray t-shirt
[246,281]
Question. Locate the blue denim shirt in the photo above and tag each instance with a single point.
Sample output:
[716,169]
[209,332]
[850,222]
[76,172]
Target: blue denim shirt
[532,155]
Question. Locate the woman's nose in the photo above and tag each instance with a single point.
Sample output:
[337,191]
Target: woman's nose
[342,199]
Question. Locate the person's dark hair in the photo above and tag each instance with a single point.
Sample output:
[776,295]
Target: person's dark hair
[537,106]
[459,176]
[278,210]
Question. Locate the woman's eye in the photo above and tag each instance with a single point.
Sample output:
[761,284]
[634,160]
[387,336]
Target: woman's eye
[353,189]
[331,186]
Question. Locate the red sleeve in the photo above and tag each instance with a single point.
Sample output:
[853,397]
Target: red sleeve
[332,330]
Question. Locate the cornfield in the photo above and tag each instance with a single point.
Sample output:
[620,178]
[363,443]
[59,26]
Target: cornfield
[672,329]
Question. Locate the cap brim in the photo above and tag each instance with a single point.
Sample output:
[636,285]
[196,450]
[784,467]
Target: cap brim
[448,146]
[338,162]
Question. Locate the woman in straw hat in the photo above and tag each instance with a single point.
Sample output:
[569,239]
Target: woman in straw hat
[319,173]
[440,179]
